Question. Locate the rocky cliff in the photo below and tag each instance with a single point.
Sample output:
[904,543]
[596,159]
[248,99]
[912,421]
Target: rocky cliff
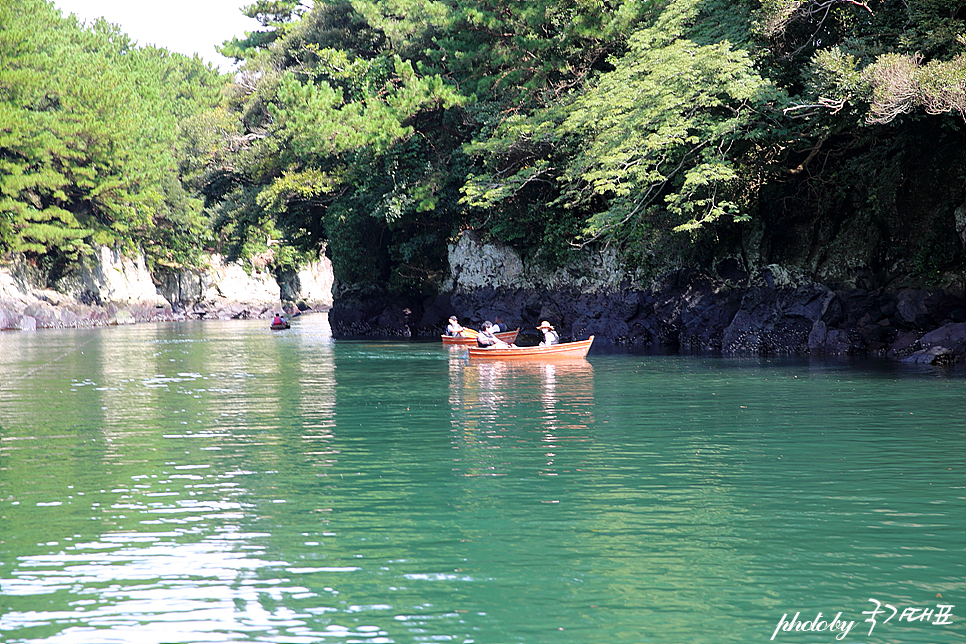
[733,309]
[111,288]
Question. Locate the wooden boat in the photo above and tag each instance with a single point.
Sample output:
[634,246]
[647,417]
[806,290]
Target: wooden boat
[279,327]
[470,340]
[567,350]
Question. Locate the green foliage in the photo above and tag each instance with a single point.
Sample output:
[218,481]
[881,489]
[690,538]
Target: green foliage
[89,137]
[657,133]
[330,145]
[275,15]
[900,84]
[384,127]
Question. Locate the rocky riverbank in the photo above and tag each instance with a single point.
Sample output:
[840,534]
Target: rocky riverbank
[731,311]
[111,289]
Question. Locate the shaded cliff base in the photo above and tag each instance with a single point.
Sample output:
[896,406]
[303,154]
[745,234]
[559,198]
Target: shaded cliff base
[769,313]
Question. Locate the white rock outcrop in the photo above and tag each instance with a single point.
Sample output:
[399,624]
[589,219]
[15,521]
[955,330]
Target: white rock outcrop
[229,281]
[315,282]
[474,264]
[112,288]
[114,277]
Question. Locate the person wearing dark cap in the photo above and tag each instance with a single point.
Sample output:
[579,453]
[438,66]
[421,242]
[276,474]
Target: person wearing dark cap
[550,336]
[487,337]
[454,329]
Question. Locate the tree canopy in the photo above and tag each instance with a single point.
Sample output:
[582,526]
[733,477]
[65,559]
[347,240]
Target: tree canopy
[379,129]
[90,138]
[384,127]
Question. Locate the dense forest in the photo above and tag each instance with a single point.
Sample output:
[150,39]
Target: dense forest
[672,131]
[92,150]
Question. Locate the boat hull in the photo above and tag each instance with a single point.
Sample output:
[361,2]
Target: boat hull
[279,327]
[507,336]
[568,350]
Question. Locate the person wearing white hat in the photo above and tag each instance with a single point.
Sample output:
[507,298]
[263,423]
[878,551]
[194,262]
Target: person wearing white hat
[549,335]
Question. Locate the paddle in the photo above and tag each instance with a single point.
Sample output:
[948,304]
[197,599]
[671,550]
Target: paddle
[469,333]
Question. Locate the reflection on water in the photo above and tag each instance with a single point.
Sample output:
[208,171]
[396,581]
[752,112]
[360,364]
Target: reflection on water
[219,482]
[488,383]
[149,431]
[488,397]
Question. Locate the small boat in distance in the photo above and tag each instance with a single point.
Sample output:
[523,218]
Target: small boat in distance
[566,350]
[470,338]
[279,326]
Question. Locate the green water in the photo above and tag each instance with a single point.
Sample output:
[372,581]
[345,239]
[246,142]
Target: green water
[219,482]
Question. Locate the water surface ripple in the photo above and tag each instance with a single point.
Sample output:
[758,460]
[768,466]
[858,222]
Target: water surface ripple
[218,482]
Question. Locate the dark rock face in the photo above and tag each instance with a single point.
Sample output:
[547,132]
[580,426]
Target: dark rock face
[376,315]
[687,310]
[693,311]
[774,320]
[945,345]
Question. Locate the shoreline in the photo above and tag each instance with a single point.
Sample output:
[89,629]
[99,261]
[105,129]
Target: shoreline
[693,312]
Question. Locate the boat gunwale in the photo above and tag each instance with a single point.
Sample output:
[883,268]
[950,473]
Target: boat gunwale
[576,349]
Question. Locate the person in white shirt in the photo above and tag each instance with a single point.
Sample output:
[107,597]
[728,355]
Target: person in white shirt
[550,336]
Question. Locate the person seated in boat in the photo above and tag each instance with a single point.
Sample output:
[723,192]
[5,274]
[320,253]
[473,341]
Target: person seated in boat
[487,337]
[277,320]
[500,326]
[550,337]
[454,329]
